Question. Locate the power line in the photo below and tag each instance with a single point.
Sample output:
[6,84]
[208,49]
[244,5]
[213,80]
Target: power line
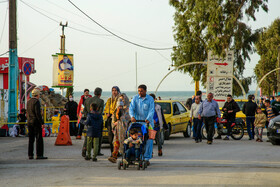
[96,34]
[46,36]
[151,48]
[63,8]
[4,53]
[4,25]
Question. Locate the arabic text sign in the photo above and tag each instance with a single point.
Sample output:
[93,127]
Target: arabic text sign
[4,65]
[219,76]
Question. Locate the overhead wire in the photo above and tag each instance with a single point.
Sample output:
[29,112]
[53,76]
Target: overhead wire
[4,25]
[43,14]
[46,36]
[66,10]
[128,41]
[4,53]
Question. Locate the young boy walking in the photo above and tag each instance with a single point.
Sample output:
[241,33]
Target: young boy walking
[95,123]
[259,124]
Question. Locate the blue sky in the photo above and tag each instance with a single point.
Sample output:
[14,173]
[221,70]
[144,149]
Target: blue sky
[102,60]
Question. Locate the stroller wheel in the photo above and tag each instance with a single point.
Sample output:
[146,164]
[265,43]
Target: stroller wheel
[124,166]
[144,165]
[138,166]
[119,165]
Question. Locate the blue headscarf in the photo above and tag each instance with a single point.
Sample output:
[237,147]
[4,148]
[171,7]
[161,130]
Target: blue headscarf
[117,88]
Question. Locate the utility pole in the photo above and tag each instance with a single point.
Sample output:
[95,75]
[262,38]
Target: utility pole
[278,74]
[62,38]
[62,47]
[13,62]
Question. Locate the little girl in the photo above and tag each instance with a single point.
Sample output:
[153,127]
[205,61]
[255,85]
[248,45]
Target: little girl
[259,124]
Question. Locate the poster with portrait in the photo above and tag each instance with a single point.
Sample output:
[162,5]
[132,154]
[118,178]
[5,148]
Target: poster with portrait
[63,71]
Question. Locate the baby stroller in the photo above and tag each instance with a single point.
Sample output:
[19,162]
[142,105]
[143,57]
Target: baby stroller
[132,160]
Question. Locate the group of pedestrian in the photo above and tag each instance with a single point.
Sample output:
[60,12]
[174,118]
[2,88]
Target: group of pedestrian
[118,112]
[208,112]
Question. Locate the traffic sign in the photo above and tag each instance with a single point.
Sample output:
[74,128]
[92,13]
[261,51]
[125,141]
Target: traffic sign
[220,76]
[27,68]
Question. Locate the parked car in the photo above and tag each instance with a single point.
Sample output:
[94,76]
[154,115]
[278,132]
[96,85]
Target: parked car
[177,117]
[274,133]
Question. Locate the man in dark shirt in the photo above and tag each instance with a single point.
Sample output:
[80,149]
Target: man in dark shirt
[249,109]
[276,103]
[230,109]
[35,124]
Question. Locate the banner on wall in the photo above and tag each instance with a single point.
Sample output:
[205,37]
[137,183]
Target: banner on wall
[63,70]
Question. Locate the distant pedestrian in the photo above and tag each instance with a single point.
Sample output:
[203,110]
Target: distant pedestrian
[199,94]
[22,120]
[249,109]
[94,131]
[272,99]
[197,123]
[208,110]
[55,123]
[230,109]
[71,110]
[272,114]
[159,98]
[159,123]
[260,121]
[100,105]
[35,124]
[276,103]
[109,110]
[82,103]
[142,107]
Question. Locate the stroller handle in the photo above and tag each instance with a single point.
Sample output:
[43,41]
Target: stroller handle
[140,121]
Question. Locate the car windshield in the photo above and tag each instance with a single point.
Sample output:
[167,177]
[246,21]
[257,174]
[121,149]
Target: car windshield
[165,107]
[240,104]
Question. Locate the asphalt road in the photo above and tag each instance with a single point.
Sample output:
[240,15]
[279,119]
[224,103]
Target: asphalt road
[184,163]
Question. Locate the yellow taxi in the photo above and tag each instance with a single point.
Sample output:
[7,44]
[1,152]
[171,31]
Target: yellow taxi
[177,117]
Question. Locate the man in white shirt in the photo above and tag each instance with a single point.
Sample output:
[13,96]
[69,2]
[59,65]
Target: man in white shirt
[197,123]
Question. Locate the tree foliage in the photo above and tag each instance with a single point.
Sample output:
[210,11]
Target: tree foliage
[267,45]
[216,25]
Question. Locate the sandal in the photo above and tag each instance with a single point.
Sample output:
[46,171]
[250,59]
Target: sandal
[112,159]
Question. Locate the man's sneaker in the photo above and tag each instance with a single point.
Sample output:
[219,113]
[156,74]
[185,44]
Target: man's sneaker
[196,141]
[31,157]
[148,163]
[218,137]
[226,138]
[160,153]
[209,142]
[84,153]
[94,159]
[87,158]
[41,157]
[100,154]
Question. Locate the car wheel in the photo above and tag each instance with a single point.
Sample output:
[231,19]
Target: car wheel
[188,132]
